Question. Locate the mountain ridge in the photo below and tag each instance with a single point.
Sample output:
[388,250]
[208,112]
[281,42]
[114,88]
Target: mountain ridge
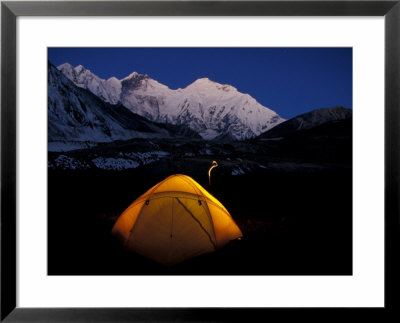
[75,114]
[308,120]
[207,107]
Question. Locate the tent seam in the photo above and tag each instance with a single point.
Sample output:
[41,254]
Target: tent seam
[198,222]
[190,181]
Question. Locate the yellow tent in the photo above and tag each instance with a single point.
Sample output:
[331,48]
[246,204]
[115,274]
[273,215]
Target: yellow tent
[175,220]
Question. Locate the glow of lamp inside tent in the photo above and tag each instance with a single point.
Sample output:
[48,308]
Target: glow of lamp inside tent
[213,165]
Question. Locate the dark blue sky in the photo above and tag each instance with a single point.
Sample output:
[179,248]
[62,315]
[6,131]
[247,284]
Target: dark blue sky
[290,81]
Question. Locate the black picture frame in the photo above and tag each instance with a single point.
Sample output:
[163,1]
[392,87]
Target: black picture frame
[10,10]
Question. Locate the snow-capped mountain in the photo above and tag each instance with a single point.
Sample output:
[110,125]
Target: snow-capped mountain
[209,108]
[108,90]
[77,115]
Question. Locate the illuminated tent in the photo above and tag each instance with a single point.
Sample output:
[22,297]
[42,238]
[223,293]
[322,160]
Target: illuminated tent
[175,220]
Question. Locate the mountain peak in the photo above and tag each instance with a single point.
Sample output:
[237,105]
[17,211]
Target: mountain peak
[79,68]
[207,107]
[113,79]
[71,72]
[135,75]
[107,90]
[203,81]
[202,84]
[65,66]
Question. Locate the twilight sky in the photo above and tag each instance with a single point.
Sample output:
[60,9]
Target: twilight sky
[289,81]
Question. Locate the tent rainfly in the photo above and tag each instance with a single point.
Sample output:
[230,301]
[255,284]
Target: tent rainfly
[175,220]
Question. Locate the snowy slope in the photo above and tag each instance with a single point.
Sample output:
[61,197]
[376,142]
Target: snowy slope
[209,108]
[108,90]
[77,115]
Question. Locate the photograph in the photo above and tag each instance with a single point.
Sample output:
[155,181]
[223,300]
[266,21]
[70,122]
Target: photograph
[200,161]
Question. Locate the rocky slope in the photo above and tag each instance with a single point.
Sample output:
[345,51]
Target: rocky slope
[308,120]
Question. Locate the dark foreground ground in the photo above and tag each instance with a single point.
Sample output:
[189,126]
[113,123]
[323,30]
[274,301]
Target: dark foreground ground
[291,197]
[296,220]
